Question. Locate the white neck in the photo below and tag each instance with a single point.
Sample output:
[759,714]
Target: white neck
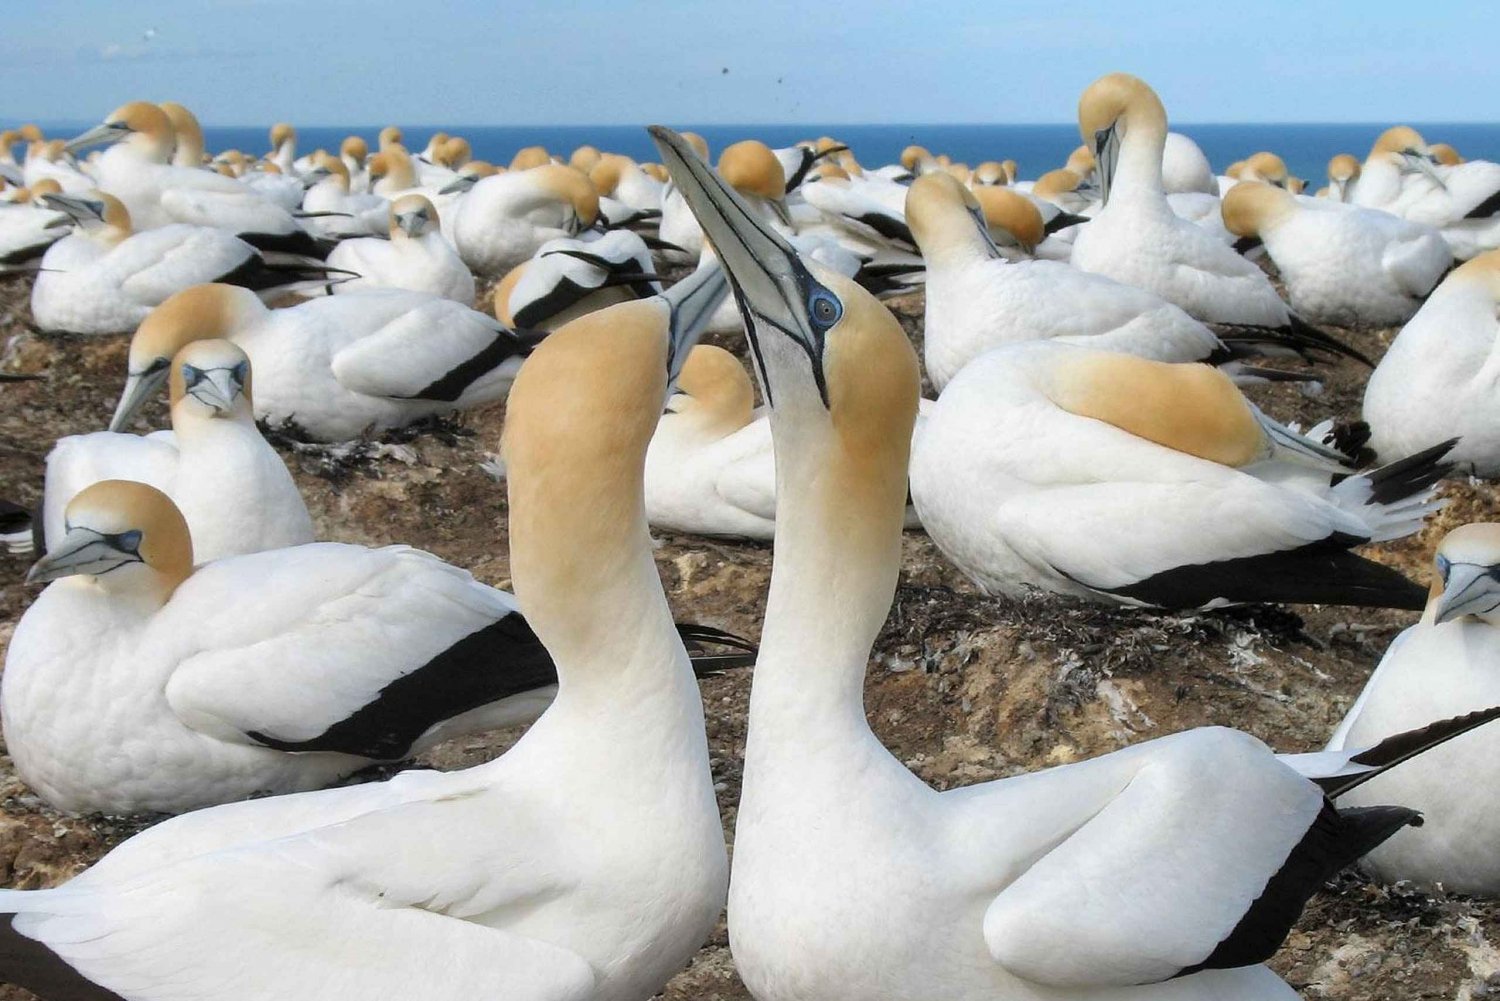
[1138,170]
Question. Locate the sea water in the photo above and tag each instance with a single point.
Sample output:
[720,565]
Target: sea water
[1036,148]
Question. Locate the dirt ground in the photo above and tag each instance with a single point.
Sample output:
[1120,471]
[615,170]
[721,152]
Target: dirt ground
[962,687]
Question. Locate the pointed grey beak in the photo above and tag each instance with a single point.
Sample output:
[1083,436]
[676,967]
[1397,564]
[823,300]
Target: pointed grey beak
[774,289]
[101,134]
[1417,162]
[460,183]
[78,209]
[1341,186]
[216,387]
[1468,590]
[1106,155]
[85,551]
[139,387]
[692,302]
[412,223]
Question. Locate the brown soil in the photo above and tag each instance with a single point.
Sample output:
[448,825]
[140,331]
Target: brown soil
[962,687]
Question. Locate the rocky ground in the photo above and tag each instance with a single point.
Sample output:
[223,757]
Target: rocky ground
[962,687]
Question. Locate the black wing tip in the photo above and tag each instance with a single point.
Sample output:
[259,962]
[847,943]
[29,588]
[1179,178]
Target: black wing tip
[28,964]
[697,638]
[1335,839]
[1402,747]
[1412,474]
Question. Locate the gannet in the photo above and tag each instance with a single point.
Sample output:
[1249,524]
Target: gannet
[10,169]
[976,300]
[1341,264]
[229,484]
[1108,477]
[105,278]
[1445,664]
[1445,154]
[531,156]
[1343,175]
[415,256]
[136,169]
[283,150]
[622,179]
[587,862]
[1138,240]
[505,218]
[1401,176]
[389,138]
[353,152]
[336,366]
[568,278]
[1437,379]
[1167,871]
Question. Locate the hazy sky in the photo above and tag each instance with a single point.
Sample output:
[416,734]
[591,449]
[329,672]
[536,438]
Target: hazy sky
[493,62]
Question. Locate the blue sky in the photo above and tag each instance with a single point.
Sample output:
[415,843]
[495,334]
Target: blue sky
[491,62]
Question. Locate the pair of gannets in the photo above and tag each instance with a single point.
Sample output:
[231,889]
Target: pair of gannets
[1438,379]
[588,862]
[1402,176]
[230,485]
[1169,870]
[503,219]
[1137,239]
[334,209]
[1340,264]
[28,227]
[137,169]
[415,256]
[105,277]
[1117,479]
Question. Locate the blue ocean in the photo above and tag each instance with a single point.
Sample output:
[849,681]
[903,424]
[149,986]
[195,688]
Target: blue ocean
[1037,148]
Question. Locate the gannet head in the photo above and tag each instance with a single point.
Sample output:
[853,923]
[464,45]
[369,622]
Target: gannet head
[412,216]
[1081,162]
[1466,575]
[1251,207]
[1056,183]
[1264,166]
[1111,107]
[1480,274]
[572,187]
[531,156]
[44,186]
[390,137]
[455,152]
[211,379]
[124,535]
[918,159]
[828,354]
[605,173]
[715,390]
[470,174]
[991,172]
[657,172]
[194,314]
[698,143]
[1404,147]
[1445,154]
[281,134]
[187,133]
[355,148]
[584,158]
[1343,169]
[141,124]
[751,168]
[324,165]
[946,218]
[1012,213]
[392,170]
[98,214]
[30,133]
[434,144]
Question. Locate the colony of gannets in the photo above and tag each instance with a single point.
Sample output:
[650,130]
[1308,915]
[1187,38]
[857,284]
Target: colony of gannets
[195,650]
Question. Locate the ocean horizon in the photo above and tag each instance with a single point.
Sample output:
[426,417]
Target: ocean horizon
[1306,147]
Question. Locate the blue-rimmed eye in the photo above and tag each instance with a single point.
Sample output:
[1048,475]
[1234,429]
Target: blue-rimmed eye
[824,308]
[192,374]
[241,372]
[129,541]
[1443,566]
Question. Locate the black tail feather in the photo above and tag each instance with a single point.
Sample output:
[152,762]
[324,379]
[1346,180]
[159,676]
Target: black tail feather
[1402,747]
[1298,336]
[698,637]
[1410,476]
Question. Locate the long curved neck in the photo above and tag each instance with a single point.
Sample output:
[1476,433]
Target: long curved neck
[1138,171]
[837,554]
